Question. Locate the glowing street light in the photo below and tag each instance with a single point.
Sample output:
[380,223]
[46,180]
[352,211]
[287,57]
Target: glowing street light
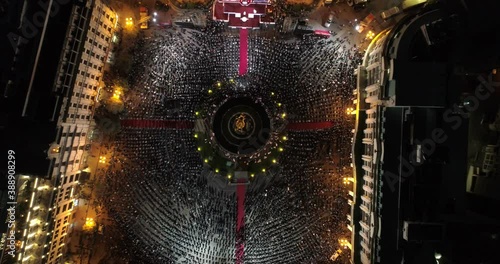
[350,111]
[129,22]
[284,138]
[370,35]
[344,243]
[89,224]
[102,159]
[116,94]
[346,181]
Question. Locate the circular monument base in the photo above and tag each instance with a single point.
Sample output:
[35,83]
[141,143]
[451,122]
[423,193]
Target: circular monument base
[241,126]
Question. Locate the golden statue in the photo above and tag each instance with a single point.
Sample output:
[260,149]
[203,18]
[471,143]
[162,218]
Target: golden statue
[241,123]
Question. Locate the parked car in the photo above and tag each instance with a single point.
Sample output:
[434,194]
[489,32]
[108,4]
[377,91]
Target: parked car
[390,13]
[329,21]
[357,3]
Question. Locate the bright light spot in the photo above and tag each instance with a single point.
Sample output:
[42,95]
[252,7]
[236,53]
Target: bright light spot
[154,19]
[252,175]
[280,149]
[195,135]
[116,94]
[89,224]
[199,148]
[274,160]
[210,91]
[216,170]
[279,104]
[155,14]
[283,115]
[264,170]
[206,161]
[129,21]
[197,113]
[284,138]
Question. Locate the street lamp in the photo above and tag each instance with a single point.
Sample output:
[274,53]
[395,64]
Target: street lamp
[89,224]
[346,181]
[116,94]
[370,35]
[344,243]
[129,22]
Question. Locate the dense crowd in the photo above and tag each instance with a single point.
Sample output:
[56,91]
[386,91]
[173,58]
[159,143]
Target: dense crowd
[174,210]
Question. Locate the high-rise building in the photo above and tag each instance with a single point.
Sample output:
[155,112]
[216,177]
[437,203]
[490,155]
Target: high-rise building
[52,93]
[410,146]
[79,77]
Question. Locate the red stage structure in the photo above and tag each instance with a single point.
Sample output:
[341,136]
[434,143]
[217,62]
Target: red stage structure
[243,13]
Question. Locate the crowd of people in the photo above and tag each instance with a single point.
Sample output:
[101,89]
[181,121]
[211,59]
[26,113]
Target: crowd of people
[165,200]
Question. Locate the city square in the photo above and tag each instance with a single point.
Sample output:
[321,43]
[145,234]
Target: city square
[250,131]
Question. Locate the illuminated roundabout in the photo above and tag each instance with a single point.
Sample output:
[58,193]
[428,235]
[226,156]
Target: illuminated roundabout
[239,135]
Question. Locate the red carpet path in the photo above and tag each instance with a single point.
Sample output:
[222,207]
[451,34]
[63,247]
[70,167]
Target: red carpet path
[240,223]
[178,124]
[243,51]
[241,189]
[309,126]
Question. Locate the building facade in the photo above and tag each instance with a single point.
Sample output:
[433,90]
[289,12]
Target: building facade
[82,62]
[402,93]
[78,78]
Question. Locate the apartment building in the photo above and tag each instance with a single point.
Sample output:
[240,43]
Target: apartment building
[79,76]
[401,96]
